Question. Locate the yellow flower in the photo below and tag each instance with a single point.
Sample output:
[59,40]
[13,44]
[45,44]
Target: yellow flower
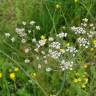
[67,44]
[58,6]
[16,69]
[75,80]
[12,76]
[71,68]
[0,75]
[79,79]
[94,42]
[76,1]
[33,74]
[86,80]
[62,50]
[85,66]
[83,86]
[92,49]
[42,37]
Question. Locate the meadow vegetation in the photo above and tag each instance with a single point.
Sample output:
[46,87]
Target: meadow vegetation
[47,48]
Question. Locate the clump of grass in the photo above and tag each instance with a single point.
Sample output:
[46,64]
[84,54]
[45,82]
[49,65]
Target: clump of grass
[47,49]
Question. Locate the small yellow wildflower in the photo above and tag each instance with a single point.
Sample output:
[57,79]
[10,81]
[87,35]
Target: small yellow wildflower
[67,44]
[94,42]
[79,79]
[12,76]
[42,37]
[0,75]
[85,66]
[58,6]
[92,49]
[83,86]
[33,74]
[71,68]
[76,1]
[75,80]
[16,69]
[86,80]
[62,50]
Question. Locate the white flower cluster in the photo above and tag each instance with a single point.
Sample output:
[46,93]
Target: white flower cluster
[42,42]
[56,48]
[39,44]
[55,45]
[38,27]
[50,39]
[48,69]
[62,34]
[34,40]
[23,40]
[21,32]
[78,30]
[7,35]
[27,50]
[66,65]
[91,34]
[72,50]
[27,61]
[32,22]
[85,20]
[83,42]
[54,54]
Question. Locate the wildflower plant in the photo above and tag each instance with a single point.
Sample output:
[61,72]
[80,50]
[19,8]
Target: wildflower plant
[49,55]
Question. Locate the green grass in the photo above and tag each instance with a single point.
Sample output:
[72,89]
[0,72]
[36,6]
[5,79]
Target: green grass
[29,80]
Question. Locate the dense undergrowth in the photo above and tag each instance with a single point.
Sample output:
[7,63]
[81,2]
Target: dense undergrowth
[47,48]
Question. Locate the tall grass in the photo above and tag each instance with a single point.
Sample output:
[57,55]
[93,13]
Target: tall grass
[51,18]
